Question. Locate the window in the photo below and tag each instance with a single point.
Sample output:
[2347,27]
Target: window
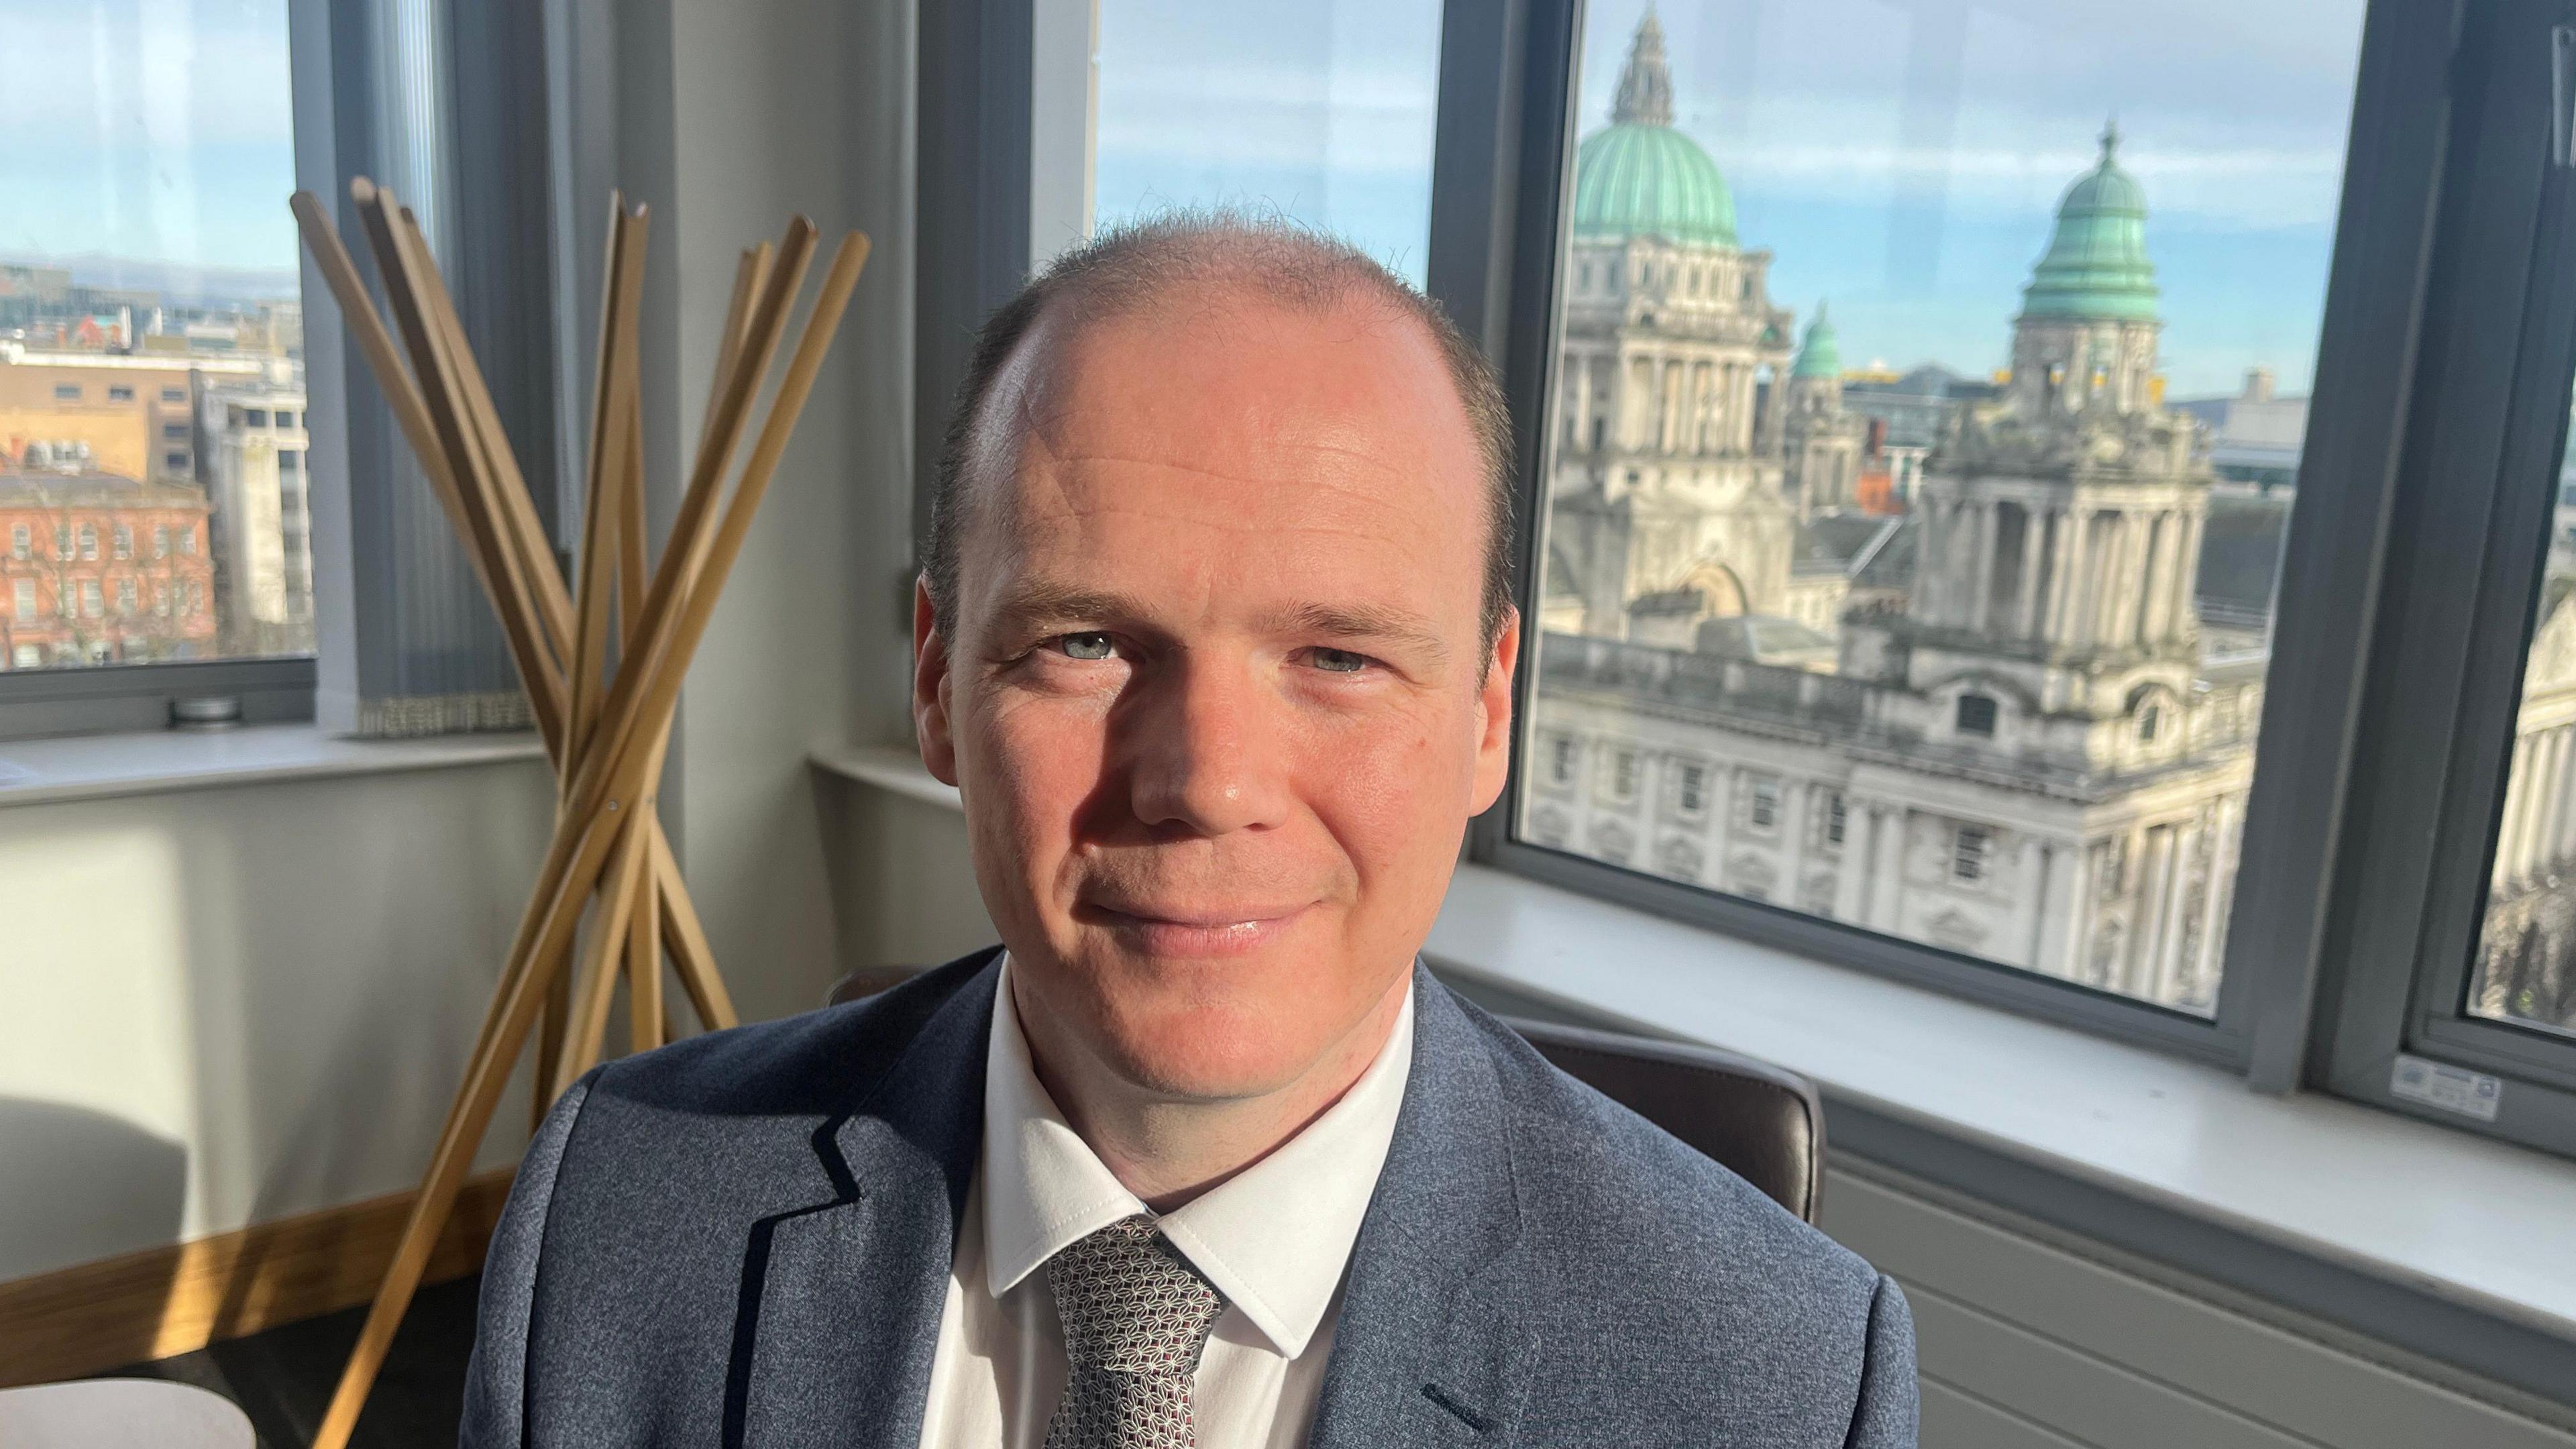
[1977,715]
[164,168]
[2148,719]
[125,596]
[21,544]
[255,417]
[1323,112]
[25,600]
[2109,290]
[62,540]
[289,461]
[1690,787]
[1968,847]
[1621,767]
[187,540]
[1562,754]
[1762,803]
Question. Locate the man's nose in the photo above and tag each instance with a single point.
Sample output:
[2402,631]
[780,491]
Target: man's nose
[1208,757]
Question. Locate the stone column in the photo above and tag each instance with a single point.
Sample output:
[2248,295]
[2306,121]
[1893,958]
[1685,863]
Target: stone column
[2517,799]
[2038,872]
[2146,960]
[2562,846]
[2183,614]
[2113,580]
[2034,546]
[2064,526]
[1981,567]
[2155,550]
[2069,934]
[1887,871]
[2222,888]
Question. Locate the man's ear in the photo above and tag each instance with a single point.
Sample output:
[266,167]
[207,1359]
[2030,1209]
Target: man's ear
[1494,714]
[930,724]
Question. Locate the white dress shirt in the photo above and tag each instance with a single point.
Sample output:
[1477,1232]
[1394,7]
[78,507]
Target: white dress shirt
[1274,1239]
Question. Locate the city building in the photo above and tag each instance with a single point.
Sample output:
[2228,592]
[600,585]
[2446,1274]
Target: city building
[96,568]
[134,413]
[1666,482]
[2254,436]
[252,450]
[2024,752]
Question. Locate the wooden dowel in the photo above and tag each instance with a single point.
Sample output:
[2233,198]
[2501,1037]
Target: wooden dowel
[488,469]
[537,671]
[553,913]
[644,1014]
[610,922]
[672,578]
[518,512]
[610,436]
[748,276]
[633,537]
[692,960]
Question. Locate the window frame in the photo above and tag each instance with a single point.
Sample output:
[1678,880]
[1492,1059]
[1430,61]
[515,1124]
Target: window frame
[126,698]
[1502,181]
[2471,542]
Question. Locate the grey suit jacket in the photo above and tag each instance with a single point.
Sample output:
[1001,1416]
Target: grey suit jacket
[744,1239]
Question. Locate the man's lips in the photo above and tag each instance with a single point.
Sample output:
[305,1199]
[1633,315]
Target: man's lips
[1194,930]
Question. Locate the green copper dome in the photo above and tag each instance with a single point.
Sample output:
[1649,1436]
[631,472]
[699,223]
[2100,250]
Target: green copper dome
[1820,353]
[1640,177]
[2096,264]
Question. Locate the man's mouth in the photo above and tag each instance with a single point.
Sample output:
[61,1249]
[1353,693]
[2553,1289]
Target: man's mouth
[1168,929]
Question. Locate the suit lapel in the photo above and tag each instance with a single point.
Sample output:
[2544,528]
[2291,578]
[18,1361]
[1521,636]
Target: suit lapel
[842,1299]
[1434,1344]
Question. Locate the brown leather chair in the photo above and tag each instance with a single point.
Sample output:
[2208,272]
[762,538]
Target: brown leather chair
[1765,1125]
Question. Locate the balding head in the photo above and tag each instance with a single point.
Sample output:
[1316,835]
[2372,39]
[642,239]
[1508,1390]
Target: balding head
[1187,260]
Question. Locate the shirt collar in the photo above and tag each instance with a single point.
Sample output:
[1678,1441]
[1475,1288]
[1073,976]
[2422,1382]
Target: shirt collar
[1273,1238]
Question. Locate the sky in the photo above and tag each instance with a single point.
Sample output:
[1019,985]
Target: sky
[1900,158]
[158,131]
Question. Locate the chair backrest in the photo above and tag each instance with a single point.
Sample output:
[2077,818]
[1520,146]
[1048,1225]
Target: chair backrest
[1765,1125]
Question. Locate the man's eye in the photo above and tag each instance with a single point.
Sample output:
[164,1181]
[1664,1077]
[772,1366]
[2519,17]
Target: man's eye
[1340,661]
[1085,646]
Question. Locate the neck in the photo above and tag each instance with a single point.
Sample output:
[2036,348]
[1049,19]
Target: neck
[1168,1150]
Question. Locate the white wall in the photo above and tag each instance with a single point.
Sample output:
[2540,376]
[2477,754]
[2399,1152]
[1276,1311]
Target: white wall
[732,117]
[223,1006]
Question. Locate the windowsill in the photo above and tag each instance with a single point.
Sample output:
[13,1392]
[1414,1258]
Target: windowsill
[92,767]
[2446,1214]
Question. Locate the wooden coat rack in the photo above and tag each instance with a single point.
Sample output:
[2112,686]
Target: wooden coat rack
[605,725]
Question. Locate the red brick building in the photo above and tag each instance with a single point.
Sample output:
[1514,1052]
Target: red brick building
[101,569]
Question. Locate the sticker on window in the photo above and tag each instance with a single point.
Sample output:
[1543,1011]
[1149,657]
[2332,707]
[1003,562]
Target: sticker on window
[2453,1089]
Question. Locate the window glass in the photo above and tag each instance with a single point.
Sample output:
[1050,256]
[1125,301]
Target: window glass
[149,284]
[1922,440]
[1319,112]
[2525,971]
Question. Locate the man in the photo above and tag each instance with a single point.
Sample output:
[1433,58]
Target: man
[1215,640]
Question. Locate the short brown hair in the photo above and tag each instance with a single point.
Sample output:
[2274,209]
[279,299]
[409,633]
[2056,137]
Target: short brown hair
[1123,269]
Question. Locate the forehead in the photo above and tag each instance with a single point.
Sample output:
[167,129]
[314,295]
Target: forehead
[1224,440]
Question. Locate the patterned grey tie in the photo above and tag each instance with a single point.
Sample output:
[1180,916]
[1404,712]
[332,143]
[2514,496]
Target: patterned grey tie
[1135,1316]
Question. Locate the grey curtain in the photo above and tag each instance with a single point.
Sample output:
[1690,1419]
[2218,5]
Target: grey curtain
[445,102]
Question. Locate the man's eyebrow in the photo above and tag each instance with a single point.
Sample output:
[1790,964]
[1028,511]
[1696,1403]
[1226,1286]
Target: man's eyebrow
[1367,621]
[1036,602]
